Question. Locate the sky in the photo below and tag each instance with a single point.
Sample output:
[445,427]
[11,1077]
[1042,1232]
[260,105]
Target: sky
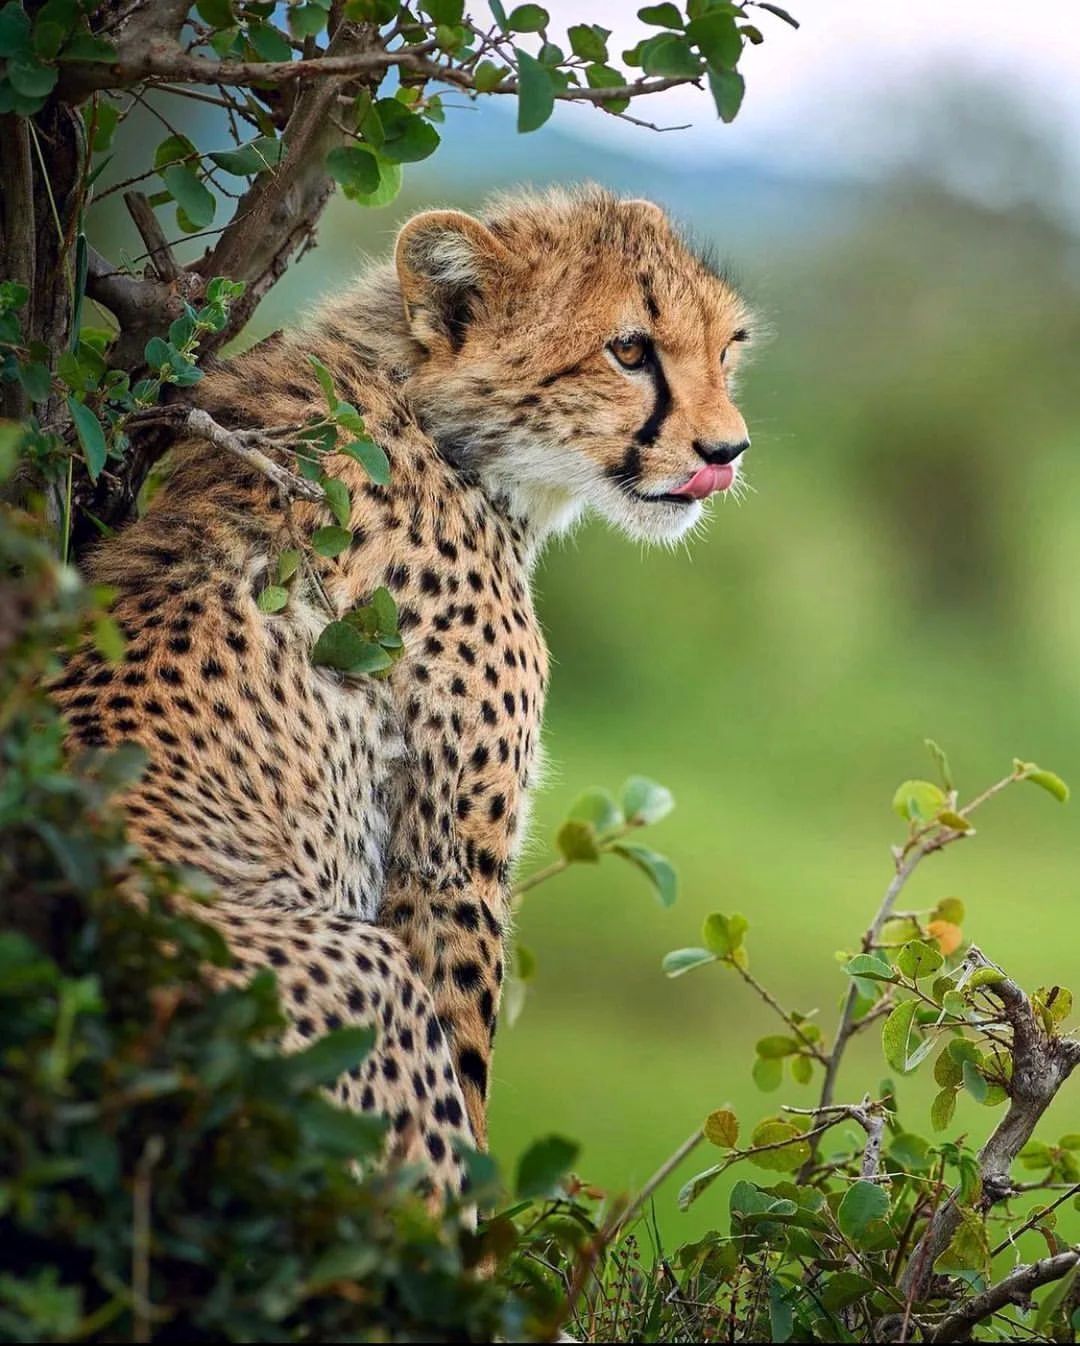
[831,97]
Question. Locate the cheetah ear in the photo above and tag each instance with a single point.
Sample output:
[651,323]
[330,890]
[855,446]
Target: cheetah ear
[445,260]
[654,214]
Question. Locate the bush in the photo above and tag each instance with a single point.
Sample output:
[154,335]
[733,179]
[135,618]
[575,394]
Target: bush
[166,1172]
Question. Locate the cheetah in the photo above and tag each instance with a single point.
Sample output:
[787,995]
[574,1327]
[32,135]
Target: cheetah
[558,355]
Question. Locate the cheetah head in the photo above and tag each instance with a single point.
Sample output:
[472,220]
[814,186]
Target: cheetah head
[576,354]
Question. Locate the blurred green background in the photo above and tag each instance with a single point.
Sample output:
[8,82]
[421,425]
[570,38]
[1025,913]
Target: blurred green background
[906,567]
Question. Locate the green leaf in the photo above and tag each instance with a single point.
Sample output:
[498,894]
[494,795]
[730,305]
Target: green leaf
[385,609]
[969,1249]
[768,1073]
[690,1191]
[576,840]
[288,564]
[723,935]
[718,39]
[975,1082]
[949,909]
[1050,782]
[597,807]
[331,541]
[957,821]
[371,458]
[269,44]
[588,41]
[918,801]
[727,88]
[30,77]
[781,1313]
[326,382]
[109,639]
[722,1128]
[448,12]
[943,1108]
[670,56]
[91,437]
[337,497]
[307,20]
[354,167]
[870,966]
[661,16]
[685,960]
[984,976]
[536,92]
[937,752]
[657,868]
[776,1046]
[325,1060]
[788,1157]
[172,150]
[347,416]
[341,646]
[527,19]
[407,137]
[190,195]
[35,378]
[488,76]
[542,1165]
[917,959]
[643,801]
[89,47]
[845,1288]
[272,599]
[802,1069]
[217,13]
[245,160]
[948,1071]
[14,30]
[863,1203]
[599,76]
[896,1034]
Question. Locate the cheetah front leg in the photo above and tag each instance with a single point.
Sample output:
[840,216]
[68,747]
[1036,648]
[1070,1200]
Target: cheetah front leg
[452,934]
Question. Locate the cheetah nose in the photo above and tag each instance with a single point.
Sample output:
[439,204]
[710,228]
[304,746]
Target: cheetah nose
[720,454]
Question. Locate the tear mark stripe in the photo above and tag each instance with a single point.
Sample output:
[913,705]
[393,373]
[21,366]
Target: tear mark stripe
[650,431]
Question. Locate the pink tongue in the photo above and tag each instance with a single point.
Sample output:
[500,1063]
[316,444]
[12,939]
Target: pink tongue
[712,477]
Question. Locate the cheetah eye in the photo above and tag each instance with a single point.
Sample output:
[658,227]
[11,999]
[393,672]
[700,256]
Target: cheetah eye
[631,352]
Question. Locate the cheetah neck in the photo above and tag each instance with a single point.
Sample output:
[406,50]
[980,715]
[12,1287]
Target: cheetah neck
[375,317]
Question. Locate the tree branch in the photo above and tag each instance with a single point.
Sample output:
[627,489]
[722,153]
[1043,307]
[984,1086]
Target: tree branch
[1041,1065]
[151,233]
[143,306]
[279,211]
[1014,1289]
[17,228]
[243,444]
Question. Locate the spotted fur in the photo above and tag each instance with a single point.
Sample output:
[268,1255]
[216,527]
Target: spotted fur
[361,832]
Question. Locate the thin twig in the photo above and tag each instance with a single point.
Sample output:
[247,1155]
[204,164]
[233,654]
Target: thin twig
[812,1048]
[1034,1219]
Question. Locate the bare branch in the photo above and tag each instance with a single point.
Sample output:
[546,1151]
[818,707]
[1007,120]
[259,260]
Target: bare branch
[1013,1289]
[244,444]
[151,233]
